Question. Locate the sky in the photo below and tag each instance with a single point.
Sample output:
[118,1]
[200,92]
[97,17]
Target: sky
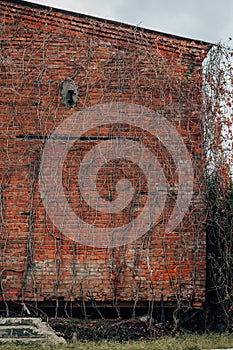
[208,20]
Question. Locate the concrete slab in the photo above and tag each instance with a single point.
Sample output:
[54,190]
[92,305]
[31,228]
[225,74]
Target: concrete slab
[25,330]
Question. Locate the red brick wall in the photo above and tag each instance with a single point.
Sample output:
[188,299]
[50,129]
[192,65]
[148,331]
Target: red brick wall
[108,62]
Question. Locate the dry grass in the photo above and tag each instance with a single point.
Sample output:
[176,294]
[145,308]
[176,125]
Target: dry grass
[184,342]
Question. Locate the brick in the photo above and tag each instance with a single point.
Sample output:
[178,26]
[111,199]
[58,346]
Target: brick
[108,62]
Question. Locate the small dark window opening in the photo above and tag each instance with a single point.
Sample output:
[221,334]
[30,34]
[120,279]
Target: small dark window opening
[70,100]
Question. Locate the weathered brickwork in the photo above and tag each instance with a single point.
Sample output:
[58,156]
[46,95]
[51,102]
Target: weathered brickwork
[107,62]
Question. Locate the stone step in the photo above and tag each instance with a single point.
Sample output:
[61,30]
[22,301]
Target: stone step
[28,330]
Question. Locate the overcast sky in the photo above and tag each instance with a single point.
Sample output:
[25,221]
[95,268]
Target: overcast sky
[209,20]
